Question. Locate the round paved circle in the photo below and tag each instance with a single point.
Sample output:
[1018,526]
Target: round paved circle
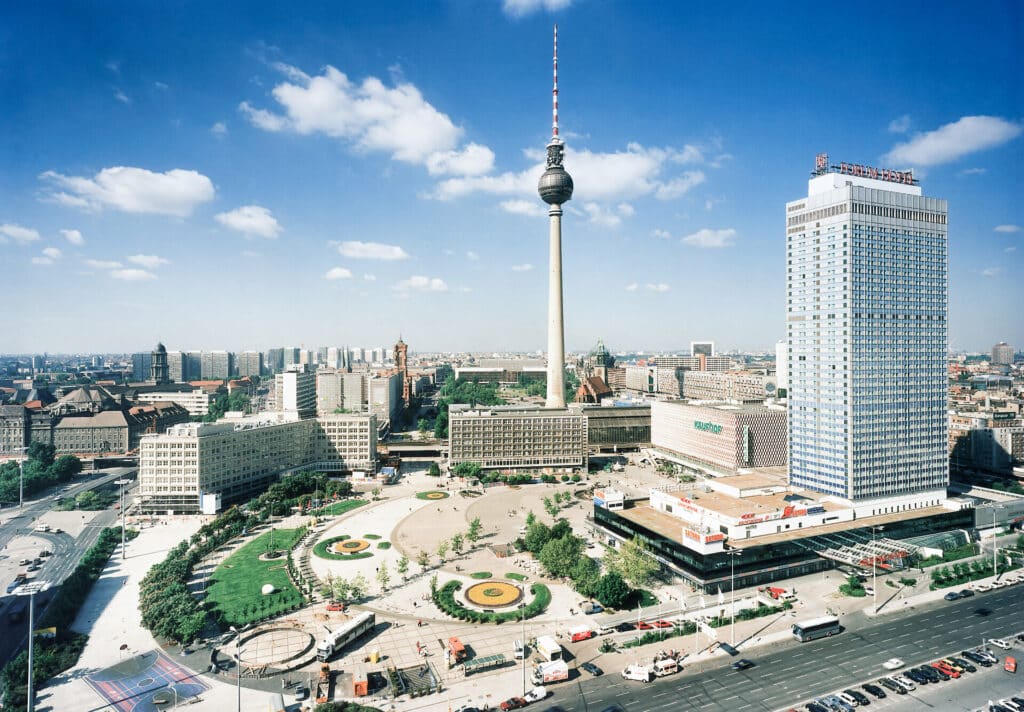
[433,495]
[349,546]
[493,593]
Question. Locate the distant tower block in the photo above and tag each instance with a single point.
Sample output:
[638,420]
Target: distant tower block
[555,188]
[401,358]
[161,372]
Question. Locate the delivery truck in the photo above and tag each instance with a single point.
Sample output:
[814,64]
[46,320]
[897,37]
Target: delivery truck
[580,632]
[637,672]
[546,673]
[548,648]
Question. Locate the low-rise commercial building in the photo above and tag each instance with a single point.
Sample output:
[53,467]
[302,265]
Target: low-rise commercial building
[195,400]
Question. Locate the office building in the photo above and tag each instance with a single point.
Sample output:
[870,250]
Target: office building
[216,365]
[274,360]
[866,325]
[249,363]
[194,366]
[722,435]
[330,394]
[384,397]
[1002,353]
[782,368]
[177,367]
[333,357]
[700,362]
[740,386]
[142,366]
[512,437]
[702,348]
[354,394]
[235,458]
[196,401]
[295,392]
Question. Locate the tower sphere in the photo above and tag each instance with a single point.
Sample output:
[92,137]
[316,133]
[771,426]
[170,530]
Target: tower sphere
[555,186]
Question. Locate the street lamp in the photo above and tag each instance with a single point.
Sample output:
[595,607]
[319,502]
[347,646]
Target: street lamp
[733,553]
[238,665]
[30,590]
[21,477]
[874,571]
[522,607]
[122,482]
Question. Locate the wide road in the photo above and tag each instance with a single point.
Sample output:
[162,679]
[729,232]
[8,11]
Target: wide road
[787,673]
[66,551]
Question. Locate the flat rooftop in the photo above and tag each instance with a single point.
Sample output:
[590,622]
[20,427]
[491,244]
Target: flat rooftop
[671,528]
[760,504]
[760,477]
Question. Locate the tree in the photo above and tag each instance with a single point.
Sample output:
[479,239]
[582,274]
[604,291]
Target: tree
[537,535]
[375,492]
[423,426]
[340,589]
[383,577]
[550,507]
[632,562]
[434,470]
[423,560]
[87,500]
[475,531]
[403,566]
[559,555]
[561,528]
[457,542]
[468,470]
[530,518]
[585,575]
[41,452]
[442,549]
[612,591]
[358,587]
[433,585]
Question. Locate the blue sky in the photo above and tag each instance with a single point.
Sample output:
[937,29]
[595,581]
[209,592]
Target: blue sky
[220,175]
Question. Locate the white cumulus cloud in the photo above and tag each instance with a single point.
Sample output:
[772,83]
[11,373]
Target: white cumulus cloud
[900,125]
[42,261]
[597,215]
[632,287]
[369,278]
[18,233]
[525,267]
[148,261]
[132,275]
[529,208]
[103,264]
[711,238]
[660,287]
[373,117]
[952,141]
[251,220]
[472,160]
[626,210]
[371,251]
[1012,248]
[133,190]
[52,252]
[661,234]
[73,236]
[1007,228]
[521,8]
[219,129]
[472,256]
[420,283]
[338,273]
[991,271]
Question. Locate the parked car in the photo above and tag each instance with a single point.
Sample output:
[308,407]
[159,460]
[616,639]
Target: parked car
[624,627]
[976,658]
[513,703]
[892,685]
[859,696]
[988,655]
[644,625]
[536,694]
[592,669]
[661,624]
[905,681]
[815,707]
[874,690]
[1000,643]
[966,593]
[952,596]
[946,669]
[848,698]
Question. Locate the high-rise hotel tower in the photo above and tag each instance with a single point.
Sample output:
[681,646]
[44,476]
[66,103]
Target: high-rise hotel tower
[866,290]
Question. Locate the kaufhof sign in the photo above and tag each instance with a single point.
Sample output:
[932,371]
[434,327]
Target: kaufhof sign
[707,426]
[855,169]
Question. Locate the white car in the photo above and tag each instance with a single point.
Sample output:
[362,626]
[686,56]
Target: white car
[983,587]
[905,682]
[987,654]
[1010,705]
[1000,643]
[536,694]
[893,664]
[847,699]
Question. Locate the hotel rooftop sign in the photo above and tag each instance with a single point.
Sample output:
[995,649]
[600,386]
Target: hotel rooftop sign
[821,167]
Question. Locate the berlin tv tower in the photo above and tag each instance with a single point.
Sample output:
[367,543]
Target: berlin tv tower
[555,188]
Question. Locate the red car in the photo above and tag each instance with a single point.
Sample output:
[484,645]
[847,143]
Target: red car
[644,625]
[513,703]
[662,624]
[946,669]
[335,606]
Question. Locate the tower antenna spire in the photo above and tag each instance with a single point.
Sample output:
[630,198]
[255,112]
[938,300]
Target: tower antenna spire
[554,91]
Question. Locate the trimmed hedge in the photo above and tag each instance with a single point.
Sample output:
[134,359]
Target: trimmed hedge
[480,575]
[384,545]
[372,536]
[516,577]
[444,598]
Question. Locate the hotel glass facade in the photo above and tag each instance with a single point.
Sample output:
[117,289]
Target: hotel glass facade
[866,325]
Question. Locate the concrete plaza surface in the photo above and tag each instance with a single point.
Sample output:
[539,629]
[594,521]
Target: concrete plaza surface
[414,626]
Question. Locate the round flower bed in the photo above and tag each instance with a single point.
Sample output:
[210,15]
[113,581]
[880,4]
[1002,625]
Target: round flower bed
[342,547]
[433,494]
[493,594]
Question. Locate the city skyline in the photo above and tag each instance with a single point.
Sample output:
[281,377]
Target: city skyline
[208,180]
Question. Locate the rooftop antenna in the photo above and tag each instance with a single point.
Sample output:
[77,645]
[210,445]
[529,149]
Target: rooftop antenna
[554,93]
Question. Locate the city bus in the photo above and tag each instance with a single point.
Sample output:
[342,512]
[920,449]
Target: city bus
[816,628]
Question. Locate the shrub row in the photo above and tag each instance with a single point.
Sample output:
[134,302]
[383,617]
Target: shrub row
[444,598]
[321,550]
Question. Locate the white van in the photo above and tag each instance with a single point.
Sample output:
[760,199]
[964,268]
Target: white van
[518,649]
[665,667]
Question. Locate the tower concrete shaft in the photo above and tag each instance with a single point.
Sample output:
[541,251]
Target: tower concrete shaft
[556,325]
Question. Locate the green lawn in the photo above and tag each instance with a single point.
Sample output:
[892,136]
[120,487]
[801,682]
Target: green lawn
[346,505]
[234,588]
